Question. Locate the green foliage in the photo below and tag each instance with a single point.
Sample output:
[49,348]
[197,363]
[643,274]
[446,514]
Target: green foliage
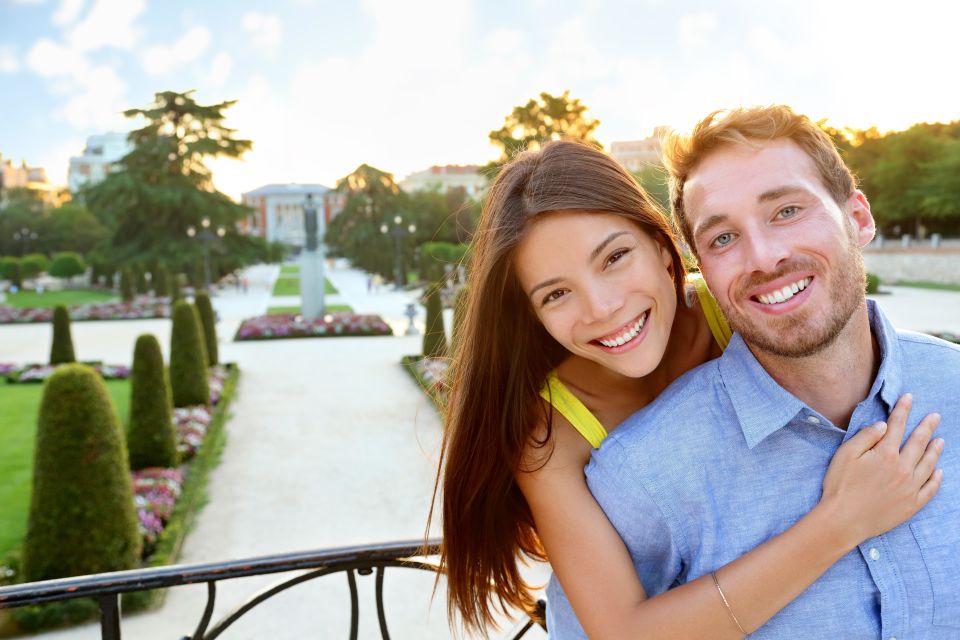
[435,256]
[873,283]
[151,437]
[539,120]
[72,227]
[160,281]
[140,277]
[188,357]
[655,181]
[209,322]
[164,186]
[126,284]
[67,264]
[33,264]
[197,276]
[62,349]
[82,518]
[10,270]
[434,336]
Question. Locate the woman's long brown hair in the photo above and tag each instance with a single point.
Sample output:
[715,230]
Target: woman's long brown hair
[502,358]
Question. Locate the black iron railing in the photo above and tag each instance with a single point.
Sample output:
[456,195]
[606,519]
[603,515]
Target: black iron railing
[362,560]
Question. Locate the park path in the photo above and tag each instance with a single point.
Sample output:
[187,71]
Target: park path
[330,444]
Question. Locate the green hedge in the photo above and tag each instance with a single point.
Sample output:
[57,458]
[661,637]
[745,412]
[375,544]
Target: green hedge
[188,357]
[434,335]
[61,351]
[209,324]
[151,436]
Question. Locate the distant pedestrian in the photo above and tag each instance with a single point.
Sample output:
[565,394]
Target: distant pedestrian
[377,282]
[245,282]
[369,284]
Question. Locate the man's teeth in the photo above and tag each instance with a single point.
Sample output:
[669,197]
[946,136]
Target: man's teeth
[784,294]
[627,335]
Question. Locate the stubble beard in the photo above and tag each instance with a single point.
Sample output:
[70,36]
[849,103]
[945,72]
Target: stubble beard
[805,332]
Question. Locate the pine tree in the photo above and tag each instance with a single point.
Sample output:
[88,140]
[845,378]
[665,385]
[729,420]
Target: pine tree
[61,351]
[151,437]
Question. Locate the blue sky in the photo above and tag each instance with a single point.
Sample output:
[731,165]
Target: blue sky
[325,86]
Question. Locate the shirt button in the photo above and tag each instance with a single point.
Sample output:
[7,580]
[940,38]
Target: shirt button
[813,419]
[875,555]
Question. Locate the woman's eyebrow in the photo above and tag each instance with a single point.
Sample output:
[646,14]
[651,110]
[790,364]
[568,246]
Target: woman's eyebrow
[545,283]
[600,247]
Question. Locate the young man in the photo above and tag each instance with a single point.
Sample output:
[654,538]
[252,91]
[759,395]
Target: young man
[735,451]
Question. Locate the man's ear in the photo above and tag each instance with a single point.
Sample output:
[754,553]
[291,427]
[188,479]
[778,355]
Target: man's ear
[858,212]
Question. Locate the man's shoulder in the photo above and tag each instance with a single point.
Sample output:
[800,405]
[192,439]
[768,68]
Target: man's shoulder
[916,343]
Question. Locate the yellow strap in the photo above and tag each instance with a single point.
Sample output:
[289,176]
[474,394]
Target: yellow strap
[715,318]
[570,407]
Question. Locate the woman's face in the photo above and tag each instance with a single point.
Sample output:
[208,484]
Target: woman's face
[601,286]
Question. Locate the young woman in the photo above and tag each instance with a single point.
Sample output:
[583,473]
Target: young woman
[579,314]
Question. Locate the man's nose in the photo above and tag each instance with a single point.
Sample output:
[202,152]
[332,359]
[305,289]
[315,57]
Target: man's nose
[765,252]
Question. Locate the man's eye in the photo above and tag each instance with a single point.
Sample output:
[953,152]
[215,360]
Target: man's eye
[787,212]
[723,240]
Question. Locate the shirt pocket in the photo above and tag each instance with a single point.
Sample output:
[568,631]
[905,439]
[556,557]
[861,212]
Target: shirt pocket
[939,540]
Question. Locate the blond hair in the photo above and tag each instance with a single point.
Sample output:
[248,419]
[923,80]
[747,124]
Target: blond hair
[746,126]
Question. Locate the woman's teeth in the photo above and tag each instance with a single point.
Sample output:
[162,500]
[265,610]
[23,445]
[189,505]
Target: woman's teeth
[627,335]
[784,294]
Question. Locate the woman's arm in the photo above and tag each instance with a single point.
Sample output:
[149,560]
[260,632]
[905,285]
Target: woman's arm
[871,486]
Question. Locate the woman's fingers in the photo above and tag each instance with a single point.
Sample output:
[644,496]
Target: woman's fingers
[930,488]
[918,441]
[928,463]
[864,439]
[897,423]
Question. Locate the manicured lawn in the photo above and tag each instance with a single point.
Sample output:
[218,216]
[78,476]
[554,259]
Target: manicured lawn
[19,404]
[287,286]
[925,284]
[53,298]
[331,308]
[290,269]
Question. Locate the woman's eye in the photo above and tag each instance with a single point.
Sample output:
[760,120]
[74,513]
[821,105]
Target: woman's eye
[553,296]
[616,255]
[787,212]
[723,240]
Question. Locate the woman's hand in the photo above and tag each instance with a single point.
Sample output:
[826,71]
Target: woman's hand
[873,484]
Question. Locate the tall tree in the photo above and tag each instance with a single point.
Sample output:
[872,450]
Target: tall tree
[539,120]
[164,186]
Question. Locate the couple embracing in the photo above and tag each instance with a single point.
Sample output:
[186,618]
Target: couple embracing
[751,450]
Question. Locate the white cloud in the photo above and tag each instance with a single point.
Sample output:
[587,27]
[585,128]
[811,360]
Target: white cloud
[266,30]
[109,23]
[503,41]
[51,59]
[67,12]
[160,59]
[8,60]
[220,69]
[98,101]
[694,29]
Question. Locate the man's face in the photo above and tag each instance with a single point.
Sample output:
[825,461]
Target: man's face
[781,256]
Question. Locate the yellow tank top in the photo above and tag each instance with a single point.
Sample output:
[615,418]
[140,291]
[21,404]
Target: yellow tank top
[570,406]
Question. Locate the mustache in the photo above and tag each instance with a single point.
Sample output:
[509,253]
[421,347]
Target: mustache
[756,280]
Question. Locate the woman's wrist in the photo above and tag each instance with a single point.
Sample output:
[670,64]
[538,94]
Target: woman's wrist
[831,527]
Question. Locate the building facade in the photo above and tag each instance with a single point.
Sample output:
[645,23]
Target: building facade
[634,155]
[278,211]
[98,159]
[33,178]
[446,177]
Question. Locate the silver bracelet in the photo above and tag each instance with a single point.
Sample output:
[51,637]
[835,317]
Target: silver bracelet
[726,603]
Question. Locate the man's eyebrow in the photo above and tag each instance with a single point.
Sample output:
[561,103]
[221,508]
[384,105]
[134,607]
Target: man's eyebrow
[593,254]
[709,223]
[779,192]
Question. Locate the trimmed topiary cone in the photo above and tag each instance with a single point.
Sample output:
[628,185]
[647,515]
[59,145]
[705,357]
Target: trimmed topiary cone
[459,313]
[82,519]
[126,284]
[62,349]
[188,357]
[141,279]
[151,436]
[434,336]
[209,322]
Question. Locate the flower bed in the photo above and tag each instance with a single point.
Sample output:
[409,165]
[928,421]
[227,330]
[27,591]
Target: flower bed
[40,372]
[430,374]
[143,307]
[155,493]
[332,325]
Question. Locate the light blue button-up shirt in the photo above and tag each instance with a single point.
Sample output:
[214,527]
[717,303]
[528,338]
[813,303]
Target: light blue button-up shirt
[726,458]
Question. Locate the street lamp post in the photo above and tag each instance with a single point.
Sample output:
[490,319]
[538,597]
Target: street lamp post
[24,236]
[398,231]
[206,236]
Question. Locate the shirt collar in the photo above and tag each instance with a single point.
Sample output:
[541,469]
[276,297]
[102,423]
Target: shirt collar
[763,406]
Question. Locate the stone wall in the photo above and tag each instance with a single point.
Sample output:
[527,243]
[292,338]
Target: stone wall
[915,263]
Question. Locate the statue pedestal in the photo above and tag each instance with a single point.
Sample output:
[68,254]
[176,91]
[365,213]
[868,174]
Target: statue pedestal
[311,284]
